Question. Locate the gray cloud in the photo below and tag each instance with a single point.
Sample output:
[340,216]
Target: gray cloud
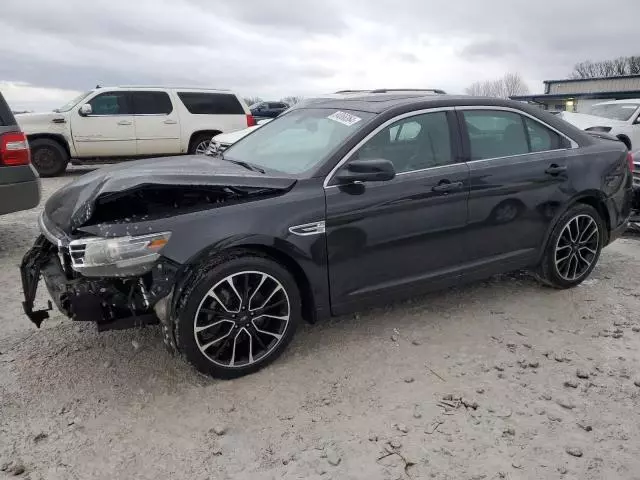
[281,47]
[489,48]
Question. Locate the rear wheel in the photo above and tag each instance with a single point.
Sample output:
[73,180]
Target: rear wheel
[200,143]
[238,317]
[573,248]
[48,157]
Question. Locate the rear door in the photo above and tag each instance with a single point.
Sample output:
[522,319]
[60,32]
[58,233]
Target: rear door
[387,238]
[108,131]
[518,179]
[157,123]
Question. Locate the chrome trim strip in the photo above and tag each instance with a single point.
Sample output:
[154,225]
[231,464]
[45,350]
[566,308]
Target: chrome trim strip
[306,229]
[380,127]
[574,144]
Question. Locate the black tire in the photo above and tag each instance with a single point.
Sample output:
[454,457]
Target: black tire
[49,158]
[552,271]
[197,140]
[243,338]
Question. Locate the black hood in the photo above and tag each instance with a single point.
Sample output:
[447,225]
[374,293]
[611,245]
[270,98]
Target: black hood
[74,204]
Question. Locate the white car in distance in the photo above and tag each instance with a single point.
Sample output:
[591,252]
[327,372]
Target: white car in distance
[620,118]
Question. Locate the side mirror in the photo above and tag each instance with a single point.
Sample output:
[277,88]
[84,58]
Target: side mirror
[374,170]
[86,110]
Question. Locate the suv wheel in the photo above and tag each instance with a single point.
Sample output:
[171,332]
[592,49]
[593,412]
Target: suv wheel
[199,144]
[238,317]
[573,248]
[48,157]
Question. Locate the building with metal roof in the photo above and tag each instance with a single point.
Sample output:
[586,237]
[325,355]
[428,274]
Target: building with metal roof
[578,95]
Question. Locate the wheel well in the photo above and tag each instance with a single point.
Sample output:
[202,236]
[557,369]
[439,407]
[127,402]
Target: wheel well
[624,139]
[306,292]
[202,132]
[51,136]
[601,208]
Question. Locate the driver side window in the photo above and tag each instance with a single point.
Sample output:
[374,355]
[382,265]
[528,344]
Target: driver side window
[413,143]
[110,103]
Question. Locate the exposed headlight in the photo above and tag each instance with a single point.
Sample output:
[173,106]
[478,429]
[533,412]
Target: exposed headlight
[598,129]
[118,257]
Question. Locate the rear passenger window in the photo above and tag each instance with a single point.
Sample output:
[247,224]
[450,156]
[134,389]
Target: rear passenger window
[495,134]
[151,103]
[211,103]
[542,138]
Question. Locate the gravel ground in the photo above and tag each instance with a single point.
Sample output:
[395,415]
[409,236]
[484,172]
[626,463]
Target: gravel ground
[499,379]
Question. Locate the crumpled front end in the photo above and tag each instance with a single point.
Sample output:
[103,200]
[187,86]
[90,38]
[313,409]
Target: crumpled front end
[111,302]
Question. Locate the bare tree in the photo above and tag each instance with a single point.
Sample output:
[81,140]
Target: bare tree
[252,100]
[607,68]
[510,84]
[291,100]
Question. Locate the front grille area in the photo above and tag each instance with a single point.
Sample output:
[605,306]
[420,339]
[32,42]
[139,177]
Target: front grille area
[216,148]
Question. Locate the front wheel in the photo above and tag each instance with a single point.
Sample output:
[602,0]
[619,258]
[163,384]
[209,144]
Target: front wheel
[239,316]
[573,248]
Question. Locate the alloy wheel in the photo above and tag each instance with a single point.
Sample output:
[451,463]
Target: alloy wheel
[242,319]
[202,147]
[44,158]
[577,247]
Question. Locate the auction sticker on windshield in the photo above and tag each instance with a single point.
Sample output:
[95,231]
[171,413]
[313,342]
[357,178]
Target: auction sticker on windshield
[344,118]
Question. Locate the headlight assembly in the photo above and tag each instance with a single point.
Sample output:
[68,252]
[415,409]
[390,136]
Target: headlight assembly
[117,257]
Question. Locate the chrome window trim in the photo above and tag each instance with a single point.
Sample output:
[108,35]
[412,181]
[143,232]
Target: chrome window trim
[572,142]
[373,133]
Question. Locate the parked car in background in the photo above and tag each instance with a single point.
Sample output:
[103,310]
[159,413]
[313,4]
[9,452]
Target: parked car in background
[334,206]
[268,109]
[19,182]
[620,118]
[219,143]
[115,123]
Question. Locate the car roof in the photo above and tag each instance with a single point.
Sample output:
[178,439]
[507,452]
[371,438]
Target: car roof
[382,102]
[629,100]
[161,87]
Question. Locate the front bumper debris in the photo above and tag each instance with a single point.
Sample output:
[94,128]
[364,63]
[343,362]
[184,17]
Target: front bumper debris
[30,269]
[112,303]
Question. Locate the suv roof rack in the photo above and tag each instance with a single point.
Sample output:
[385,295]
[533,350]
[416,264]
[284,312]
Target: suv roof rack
[387,90]
[172,87]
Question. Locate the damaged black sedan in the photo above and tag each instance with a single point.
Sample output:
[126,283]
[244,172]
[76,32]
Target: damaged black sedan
[334,206]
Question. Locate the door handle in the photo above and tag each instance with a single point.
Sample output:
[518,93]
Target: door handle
[555,169]
[446,186]
[124,122]
[168,121]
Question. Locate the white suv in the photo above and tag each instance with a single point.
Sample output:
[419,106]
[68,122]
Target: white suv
[128,122]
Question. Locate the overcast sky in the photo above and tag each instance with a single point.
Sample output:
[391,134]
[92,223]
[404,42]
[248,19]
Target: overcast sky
[52,49]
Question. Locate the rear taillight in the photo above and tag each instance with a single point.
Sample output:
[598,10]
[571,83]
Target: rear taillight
[630,160]
[14,149]
[251,122]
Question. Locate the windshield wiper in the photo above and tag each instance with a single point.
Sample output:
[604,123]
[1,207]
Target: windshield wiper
[247,165]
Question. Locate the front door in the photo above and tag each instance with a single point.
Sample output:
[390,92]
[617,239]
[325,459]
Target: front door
[108,131]
[386,238]
[157,123]
[519,179]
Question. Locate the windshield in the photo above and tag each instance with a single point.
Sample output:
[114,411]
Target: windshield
[298,141]
[72,103]
[615,111]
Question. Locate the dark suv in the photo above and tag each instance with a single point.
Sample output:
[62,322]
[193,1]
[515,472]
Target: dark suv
[19,182]
[334,206]
[268,109]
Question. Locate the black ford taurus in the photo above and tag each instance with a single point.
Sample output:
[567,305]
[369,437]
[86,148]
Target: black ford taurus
[332,207]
